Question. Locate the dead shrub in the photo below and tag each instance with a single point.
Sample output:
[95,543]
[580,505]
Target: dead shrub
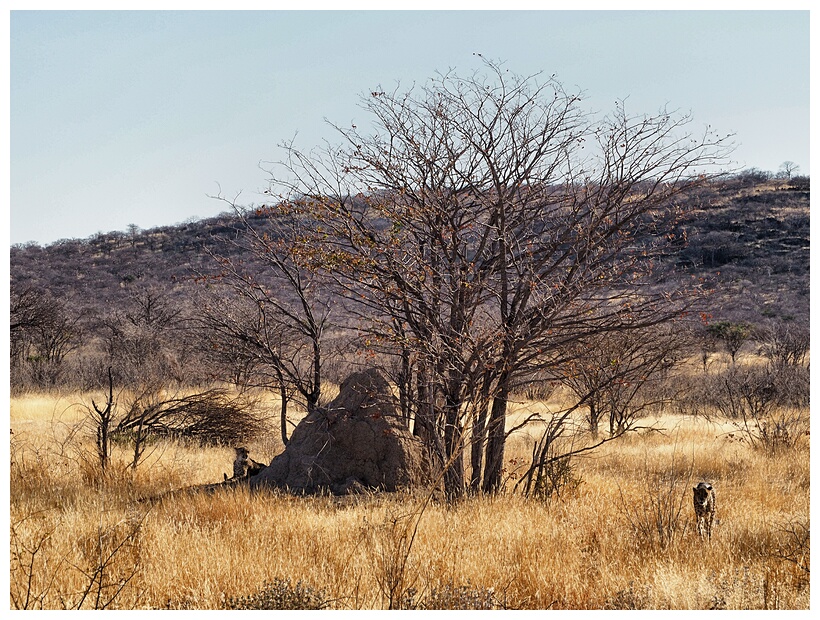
[658,512]
[633,597]
[793,545]
[450,596]
[390,544]
[552,468]
[281,594]
[767,404]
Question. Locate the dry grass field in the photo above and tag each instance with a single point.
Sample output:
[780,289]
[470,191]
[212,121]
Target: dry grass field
[621,535]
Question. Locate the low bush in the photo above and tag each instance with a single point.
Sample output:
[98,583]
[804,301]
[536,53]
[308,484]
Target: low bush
[281,594]
[767,404]
[467,596]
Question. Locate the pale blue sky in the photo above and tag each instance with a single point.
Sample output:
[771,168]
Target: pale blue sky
[124,117]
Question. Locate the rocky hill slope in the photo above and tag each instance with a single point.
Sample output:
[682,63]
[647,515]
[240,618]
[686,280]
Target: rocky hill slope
[748,238]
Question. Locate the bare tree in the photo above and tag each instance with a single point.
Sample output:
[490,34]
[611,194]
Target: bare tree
[28,311]
[705,340]
[272,321]
[43,332]
[786,342]
[28,308]
[788,168]
[613,374]
[494,222]
[144,342]
[102,421]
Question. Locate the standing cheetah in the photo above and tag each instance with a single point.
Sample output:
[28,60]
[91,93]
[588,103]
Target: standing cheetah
[243,465]
[705,507]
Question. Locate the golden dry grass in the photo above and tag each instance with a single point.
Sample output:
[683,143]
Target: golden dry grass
[581,551]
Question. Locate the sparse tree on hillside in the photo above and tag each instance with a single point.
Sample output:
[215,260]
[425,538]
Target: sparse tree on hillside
[788,168]
[133,233]
[495,223]
[732,335]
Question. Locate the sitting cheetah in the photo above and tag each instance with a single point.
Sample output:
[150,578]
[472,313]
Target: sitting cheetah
[705,507]
[243,465]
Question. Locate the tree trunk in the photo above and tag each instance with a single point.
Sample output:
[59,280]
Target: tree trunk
[283,407]
[104,425]
[594,413]
[405,383]
[479,435]
[283,412]
[496,436]
[454,486]
[423,425]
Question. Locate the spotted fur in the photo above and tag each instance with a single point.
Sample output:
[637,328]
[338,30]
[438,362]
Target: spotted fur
[705,508]
[243,465]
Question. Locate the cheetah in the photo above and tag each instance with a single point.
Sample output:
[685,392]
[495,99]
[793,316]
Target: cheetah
[705,507]
[244,466]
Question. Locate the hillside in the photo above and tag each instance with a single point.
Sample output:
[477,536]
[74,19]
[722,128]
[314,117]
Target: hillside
[751,241]
[748,238]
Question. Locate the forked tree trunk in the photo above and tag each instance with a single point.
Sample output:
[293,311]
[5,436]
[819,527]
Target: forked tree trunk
[594,414]
[103,422]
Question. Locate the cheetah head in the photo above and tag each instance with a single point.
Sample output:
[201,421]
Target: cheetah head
[241,453]
[702,492]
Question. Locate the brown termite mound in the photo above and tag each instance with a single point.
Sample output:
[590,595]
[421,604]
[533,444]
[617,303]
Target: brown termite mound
[359,442]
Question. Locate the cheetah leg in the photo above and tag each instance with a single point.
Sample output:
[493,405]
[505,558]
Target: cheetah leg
[703,527]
